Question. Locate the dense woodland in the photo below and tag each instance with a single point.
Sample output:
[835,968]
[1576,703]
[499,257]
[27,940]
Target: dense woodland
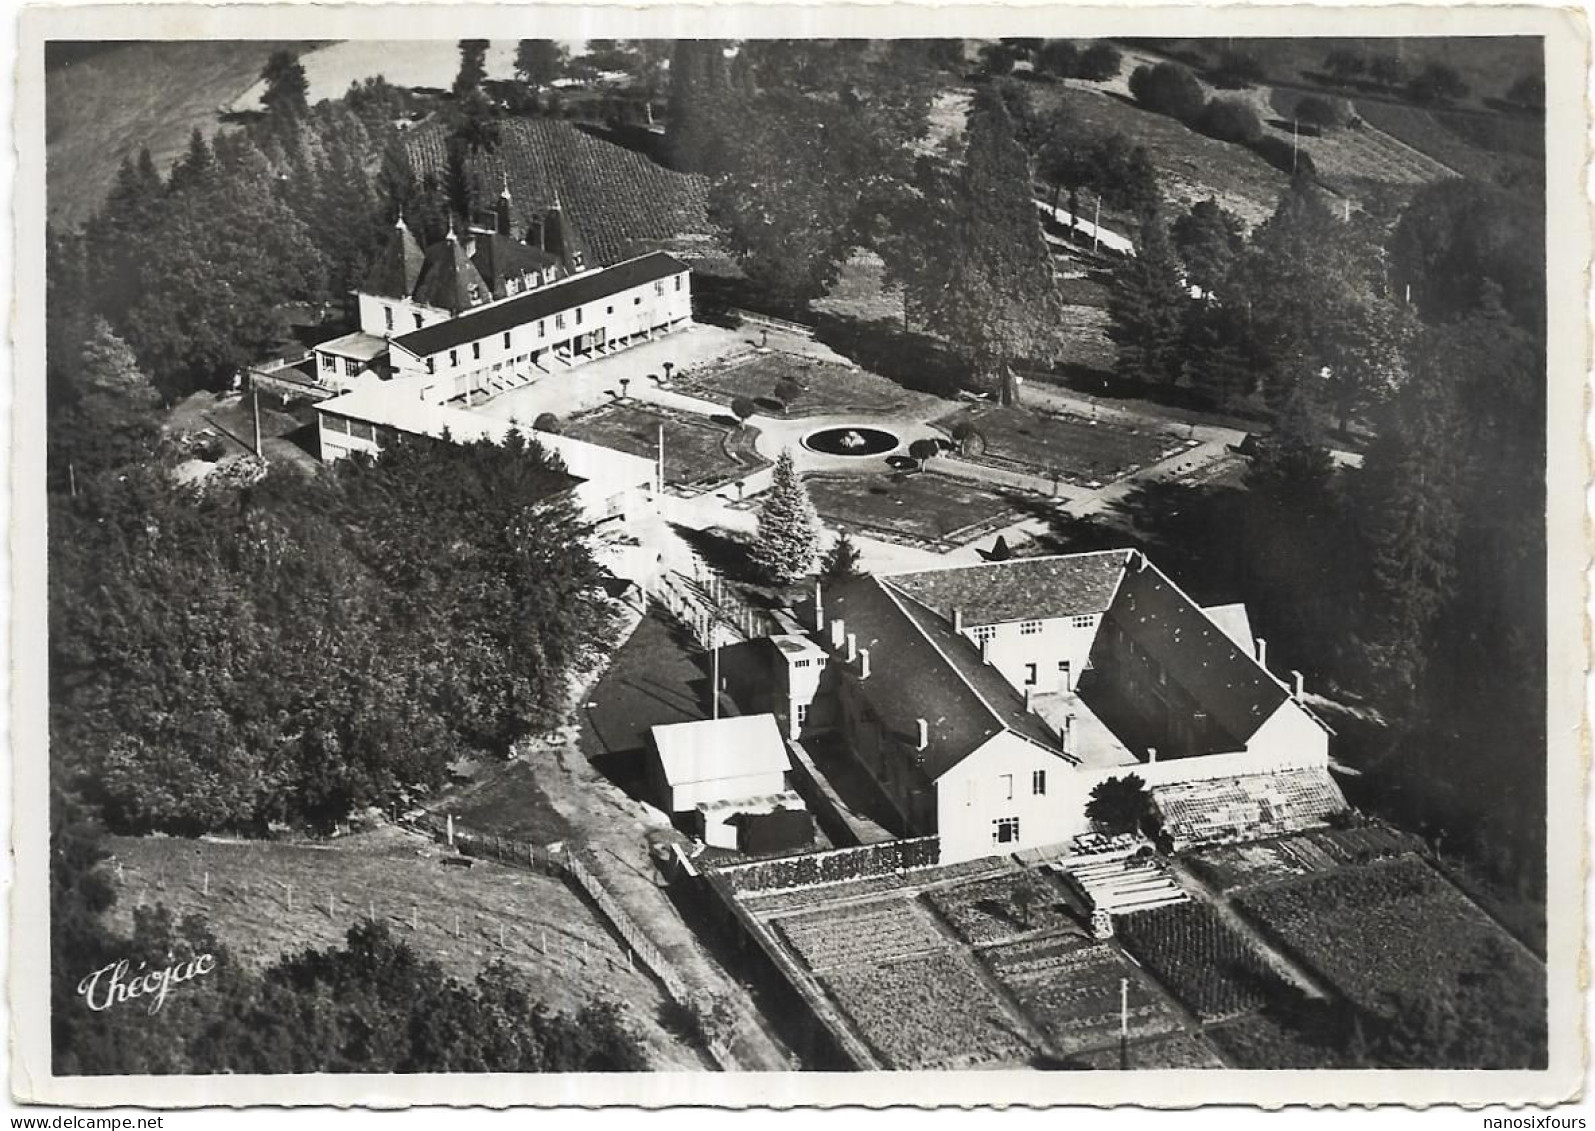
[310,647]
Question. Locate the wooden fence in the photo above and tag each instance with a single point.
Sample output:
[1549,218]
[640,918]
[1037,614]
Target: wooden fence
[564,860]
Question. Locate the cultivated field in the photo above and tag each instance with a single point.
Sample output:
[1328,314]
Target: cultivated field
[620,202]
[1195,954]
[1069,986]
[931,1011]
[921,508]
[101,109]
[861,933]
[1262,1041]
[1233,866]
[698,454]
[1427,131]
[1080,451]
[1396,927]
[1187,1050]
[985,911]
[826,386]
[266,899]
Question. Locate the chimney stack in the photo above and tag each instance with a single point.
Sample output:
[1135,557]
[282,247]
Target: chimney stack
[958,619]
[1067,733]
[863,663]
[985,649]
[838,629]
[819,609]
[1262,652]
[1030,699]
[1151,754]
[923,737]
[1296,678]
[852,647]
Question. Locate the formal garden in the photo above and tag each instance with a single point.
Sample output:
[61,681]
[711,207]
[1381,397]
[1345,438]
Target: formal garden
[790,384]
[700,453]
[1082,451]
[916,508]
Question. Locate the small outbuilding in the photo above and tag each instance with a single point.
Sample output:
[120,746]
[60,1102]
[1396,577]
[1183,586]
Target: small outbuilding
[717,760]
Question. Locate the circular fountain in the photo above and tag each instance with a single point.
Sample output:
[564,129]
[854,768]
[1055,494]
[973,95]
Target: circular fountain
[851,440]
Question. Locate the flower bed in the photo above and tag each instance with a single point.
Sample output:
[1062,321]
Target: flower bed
[928,1012]
[1070,988]
[860,933]
[1212,970]
[985,912]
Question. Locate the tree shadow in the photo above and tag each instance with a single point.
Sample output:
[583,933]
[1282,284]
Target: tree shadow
[915,361]
[724,552]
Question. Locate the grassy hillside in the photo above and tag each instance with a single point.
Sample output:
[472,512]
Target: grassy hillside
[106,106]
[457,916]
[1489,65]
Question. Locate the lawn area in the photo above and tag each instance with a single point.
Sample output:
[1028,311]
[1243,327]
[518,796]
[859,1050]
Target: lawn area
[101,109]
[860,292]
[1083,333]
[1080,451]
[699,453]
[827,386]
[454,915]
[1191,167]
[921,508]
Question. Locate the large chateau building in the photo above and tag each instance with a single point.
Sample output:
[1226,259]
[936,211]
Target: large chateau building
[446,327]
[987,701]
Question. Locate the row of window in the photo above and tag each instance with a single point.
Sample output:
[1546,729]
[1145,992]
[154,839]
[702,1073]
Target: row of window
[359,429]
[1038,784]
[987,632]
[351,367]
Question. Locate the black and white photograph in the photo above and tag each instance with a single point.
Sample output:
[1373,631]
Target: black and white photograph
[823,550]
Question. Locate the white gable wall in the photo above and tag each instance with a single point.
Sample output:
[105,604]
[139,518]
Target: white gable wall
[1048,646]
[997,782]
[1290,736]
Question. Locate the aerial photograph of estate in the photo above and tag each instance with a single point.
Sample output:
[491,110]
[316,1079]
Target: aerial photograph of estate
[796,555]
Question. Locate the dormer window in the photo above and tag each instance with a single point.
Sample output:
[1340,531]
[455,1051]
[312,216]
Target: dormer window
[473,292]
[511,286]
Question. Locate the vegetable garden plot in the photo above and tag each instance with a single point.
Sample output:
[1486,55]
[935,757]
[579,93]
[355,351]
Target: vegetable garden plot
[929,1011]
[860,933]
[1188,1050]
[1235,866]
[1070,988]
[985,911]
[1212,970]
[1395,932]
[1260,1041]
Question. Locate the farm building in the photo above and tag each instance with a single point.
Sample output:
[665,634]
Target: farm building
[986,701]
[711,761]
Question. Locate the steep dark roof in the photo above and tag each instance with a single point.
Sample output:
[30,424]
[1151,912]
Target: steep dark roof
[498,258]
[560,237]
[397,267]
[447,277]
[920,669]
[1226,682]
[541,303]
[1019,589]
